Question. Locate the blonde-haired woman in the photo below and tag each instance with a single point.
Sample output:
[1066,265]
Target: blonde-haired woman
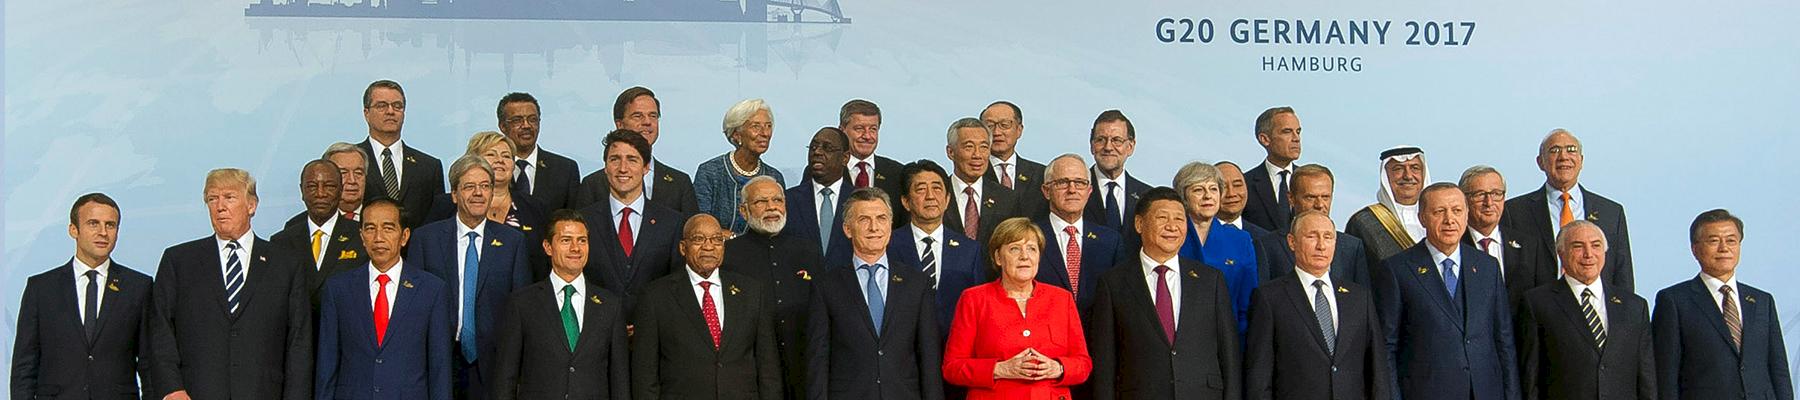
[1016,338]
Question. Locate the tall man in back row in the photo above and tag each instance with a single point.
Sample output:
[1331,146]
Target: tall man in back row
[1115,192]
[861,120]
[638,110]
[1007,167]
[548,177]
[1278,131]
[398,172]
[1562,199]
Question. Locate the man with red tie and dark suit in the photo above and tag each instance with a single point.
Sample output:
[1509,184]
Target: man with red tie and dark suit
[703,333]
[397,171]
[106,350]
[231,318]
[873,332]
[636,239]
[1526,261]
[861,121]
[563,337]
[1717,337]
[384,331]
[1312,334]
[1079,249]
[1579,338]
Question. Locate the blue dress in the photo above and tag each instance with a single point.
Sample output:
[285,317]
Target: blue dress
[1233,253]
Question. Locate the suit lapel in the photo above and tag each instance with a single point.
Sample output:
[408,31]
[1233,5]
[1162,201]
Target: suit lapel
[365,321]
[852,288]
[108,313]
[592,319]
[1433,281]
[258,274]
[490,259]
[1138,291]
[737,326]
[1702,300]
[1191,299]
[1303,305]
[1090,246]
[1571,309]
[1618,320]
[901,248]
[68,297]
[1350,315]
[690,306]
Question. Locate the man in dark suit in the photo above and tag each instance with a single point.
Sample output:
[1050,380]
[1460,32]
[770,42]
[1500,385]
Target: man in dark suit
[704,333]
[1447,326]
[977,204]
[548,177]
[638,110]
[384,331]
[1561,200]
[481,261]
[785,263]
[1235,196]
[1313,336]
[1012,170]
[1115,193]
[1312,186]
[105,351]
[1524,261]
[1716,337]
[231,318]
[950,259]
[326,243]
[397,171]
[807,200]
[1278,132]
[563,336]
[874,329]
[861,120]
[352,166]
[1077,249]
[1577,340]
[1178,339]
[637,239]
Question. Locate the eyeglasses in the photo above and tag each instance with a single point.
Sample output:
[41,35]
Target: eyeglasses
[1066,183]
[1570,149]
[521,120]
[397,106]
[1103,141]
[1496,194]
[1000,125]
[766,201]
[705,240]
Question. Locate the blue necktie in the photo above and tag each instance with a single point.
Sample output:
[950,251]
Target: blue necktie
[1449,277]
[827,214]
[1112,205]
[877,302]
[471,272]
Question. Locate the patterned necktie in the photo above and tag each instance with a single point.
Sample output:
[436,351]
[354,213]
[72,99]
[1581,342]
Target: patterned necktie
[1113,216]
[1728,305]
[571,326]
[91,315]
[523,181]
[1165,303]
[1322,311]
[877,302]
[1568,212]
[710,311]
[1072,258]
[930,261]
[827,214]
[1005,178]
[971,214]
[1593,318]
[862,174]
[471,273]
[381,308]
[625,239]
[1450,277]
[388,177]
[234,276]
[317,242]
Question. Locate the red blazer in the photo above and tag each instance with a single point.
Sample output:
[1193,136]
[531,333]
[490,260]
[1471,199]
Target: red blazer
[988,329]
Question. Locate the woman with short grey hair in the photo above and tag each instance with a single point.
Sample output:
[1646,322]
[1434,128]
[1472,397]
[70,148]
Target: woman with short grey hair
[1224,247]
[749,125]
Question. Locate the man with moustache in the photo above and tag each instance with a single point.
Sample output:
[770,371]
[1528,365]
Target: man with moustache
[783,261]
[952,260]
[548,177]
[1115,192]
[1562,199]
[638,110]
[1278,131]
[402,172]
[1717,337]
[978,204]
[352,167]
[1580,340]
[861,120]
[1525,264]
[1007,122]
[873,332]
[1392,224]
[1447,326]
[384,331]
[1231,210]
[1079,249]
[703,333]
[327,242]
[1313,336]
[1312,187]
[106,351]
[817,202]
[564,335]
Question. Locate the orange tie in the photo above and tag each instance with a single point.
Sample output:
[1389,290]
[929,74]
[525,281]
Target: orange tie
[1568,213]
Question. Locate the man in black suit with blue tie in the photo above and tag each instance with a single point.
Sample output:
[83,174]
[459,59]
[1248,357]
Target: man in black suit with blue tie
[231,318]
[815,206]
[565,335]
[481,261]
[106,350]
[1267,206]
[1312,186]
[1448,329]
[1079,248]
[548,177]
[1313,335]
[397,171]
[1580,339]
[1114,195]
[873,331]
[1716,337]
[950,259]
[636,239]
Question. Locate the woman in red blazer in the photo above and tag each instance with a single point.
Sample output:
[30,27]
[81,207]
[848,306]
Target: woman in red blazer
[1016,338]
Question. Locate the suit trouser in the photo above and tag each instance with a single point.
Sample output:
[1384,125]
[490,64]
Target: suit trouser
[467,381]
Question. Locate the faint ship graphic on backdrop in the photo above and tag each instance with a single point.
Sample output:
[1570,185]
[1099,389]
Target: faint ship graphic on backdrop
[792,11]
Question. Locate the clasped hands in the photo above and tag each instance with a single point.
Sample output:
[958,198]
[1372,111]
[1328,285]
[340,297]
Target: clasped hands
[1028,365]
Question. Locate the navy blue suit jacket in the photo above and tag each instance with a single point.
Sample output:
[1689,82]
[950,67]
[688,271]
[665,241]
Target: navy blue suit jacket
[848,357]
[1695,358]
[52,356]
[1101,247]
[959,267]
[1096,206]
[803,218]
[1444,347]
[1261,208]
[653,250]
[504,268]
[413,360]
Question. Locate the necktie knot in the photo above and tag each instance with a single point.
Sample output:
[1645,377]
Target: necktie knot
[1319,284]
[522,165]
[1565,196]
[92,275]
[1726,290]
[1486,243]
[970,191]
[705,285]
[1161,270]
[569,292]
[928,240]
[383,279]
[1587,293]
[231,245]
[1069,230]
[472,235]
[825,191]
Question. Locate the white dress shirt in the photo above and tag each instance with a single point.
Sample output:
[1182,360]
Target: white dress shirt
[1117,191]
[580,284]
[1599,300]
[245,242]
[818,193]
[1275,177]
[1172,279]
[462,246]
[399,158]
[936,247]
[1712,288]
[649,178]
[1306,286]
[325,239]
[81,281]
[1437,261]
[1062,238]
[393,284]
[637,215]
[531,165]
[1010,165]
[717,291]
[1576,206]
[1235,223]
[1497,248]
[962,199]
[851,161]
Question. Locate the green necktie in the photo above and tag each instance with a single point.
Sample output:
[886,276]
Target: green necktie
[571,327]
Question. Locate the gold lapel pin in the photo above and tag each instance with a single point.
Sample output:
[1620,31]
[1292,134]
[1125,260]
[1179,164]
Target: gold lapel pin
[1749,299]
[653,221]
[496,243]
[1424,270]
[1230,262]
[409,159]
[1023,178]
[1342,289]
[1473,270]
[805,276]
[880,177]
[1513,243]
[668,178]
[954,243]
[595,299]
[1134,196]
[342,238]
[406,284]
[896,279]
[541,164]
[1192,274]
[1091,235]
[988,203]
[526,228]
[734,290]
[1593,217]
[113,285]
[347,254]
[262,258]
[1616,300]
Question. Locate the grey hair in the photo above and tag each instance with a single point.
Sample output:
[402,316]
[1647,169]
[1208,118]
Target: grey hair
[1553,133]
[1048,171]
[966,122]
[739,113]
[744,193]
[1195,173]
[462,166]
[1468,175]
[341,148]
[1562,236]
[867,194]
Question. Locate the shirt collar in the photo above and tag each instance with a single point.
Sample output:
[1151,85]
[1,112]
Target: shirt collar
[637,205]
[1151,263]
[1275,172]
[463,230]
[82,268]
[1307,278]
[1576,286]
[1236,223]
[393,273]
[1556,195]
[1100,179]
[694,278]
[958,185]
[532,159]
[1057,224]
[329,223]
[1476,236]
[833,185]
[935,234]
[851,161]
[1437,257]
[883,261]
[244,242]
[1010,161]
[1713,284]
[399,148]
[580,284]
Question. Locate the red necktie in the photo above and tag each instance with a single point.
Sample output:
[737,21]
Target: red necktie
[971,215]
[1072,259]
[350,215]
[862,174]
[710,311]
[1486,243]
[381,308]
[625,240]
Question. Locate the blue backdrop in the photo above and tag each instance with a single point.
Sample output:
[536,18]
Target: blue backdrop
[1682,106]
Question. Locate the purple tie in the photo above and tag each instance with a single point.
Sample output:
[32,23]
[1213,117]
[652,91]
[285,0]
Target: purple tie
[1165,306]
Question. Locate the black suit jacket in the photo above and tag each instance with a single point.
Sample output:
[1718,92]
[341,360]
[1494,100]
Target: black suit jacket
[556,180]
[849,358]
[673,189]
[52,356]
[264,351]
[787,264]
[343,251]
[1134,359]
[1095,211]
[1560,359]
[1348,262]
[803,216]
[1530,214]
[672,355]
[1028,177]
[888,178]
[421,180]
[1287,358]
[997,204]
[654,250]
[1695,358]
[1101,249]
[1261,208]
[1528,263]
[532,359]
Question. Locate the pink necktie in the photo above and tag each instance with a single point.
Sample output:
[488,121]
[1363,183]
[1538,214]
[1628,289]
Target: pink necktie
[1072,259]
[971,215]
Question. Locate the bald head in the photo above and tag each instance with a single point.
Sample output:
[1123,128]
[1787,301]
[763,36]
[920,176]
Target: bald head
[1560,157]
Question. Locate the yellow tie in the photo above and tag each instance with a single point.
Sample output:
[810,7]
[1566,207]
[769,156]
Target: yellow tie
[1568,213]
[319,235]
